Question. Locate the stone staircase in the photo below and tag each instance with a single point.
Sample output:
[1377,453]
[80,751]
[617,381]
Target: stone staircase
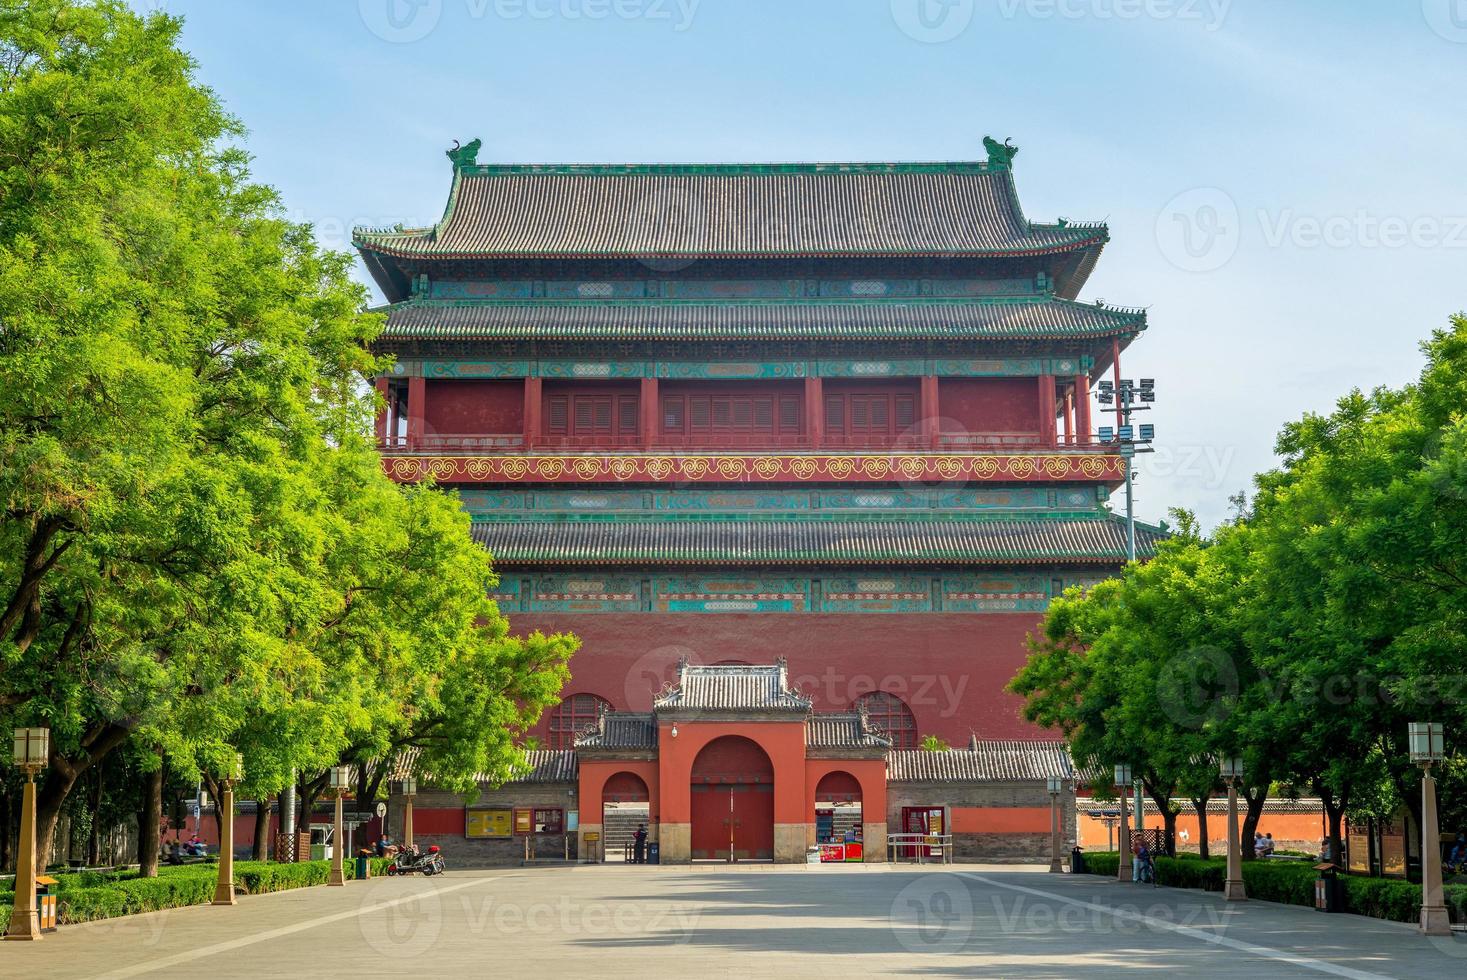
[619,828]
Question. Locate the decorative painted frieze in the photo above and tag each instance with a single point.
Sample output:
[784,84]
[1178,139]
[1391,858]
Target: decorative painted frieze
[824,592]
[488,503]
[740,468]
[511,290]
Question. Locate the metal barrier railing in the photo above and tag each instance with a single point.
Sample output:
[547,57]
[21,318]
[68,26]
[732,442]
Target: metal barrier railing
[920,848]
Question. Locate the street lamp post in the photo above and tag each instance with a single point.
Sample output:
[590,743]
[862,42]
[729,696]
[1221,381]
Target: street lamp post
[1231,771]
[224,887]
[340,778]
[32,749]
[1123,835]
[1130,439]
[1056,787]
[409,790]
[1428,747]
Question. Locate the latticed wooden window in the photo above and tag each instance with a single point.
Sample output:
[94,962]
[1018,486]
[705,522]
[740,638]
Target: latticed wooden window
[890,715]
[789,415]
[575,714]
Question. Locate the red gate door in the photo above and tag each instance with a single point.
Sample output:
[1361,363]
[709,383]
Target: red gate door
[753,816]
[711,813]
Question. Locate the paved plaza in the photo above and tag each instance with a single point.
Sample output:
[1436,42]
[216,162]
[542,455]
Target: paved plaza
[746,922]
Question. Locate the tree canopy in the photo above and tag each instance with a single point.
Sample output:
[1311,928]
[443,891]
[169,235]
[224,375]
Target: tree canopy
[199,552]
[1306,634]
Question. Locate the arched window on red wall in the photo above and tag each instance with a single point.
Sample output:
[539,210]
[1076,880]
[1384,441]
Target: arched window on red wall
[575,714]
[890,715]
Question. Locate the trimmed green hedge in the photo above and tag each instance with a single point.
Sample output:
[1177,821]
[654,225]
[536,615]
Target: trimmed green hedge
[1292,883]
[91,895]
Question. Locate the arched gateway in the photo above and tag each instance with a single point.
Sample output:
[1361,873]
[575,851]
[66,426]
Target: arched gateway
[732,794]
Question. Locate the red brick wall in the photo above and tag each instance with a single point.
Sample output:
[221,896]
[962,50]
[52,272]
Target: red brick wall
[474,407]
[981,405]
[949,668]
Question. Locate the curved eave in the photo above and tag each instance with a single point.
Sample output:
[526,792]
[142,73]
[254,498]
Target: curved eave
[418,320]
[1095,541]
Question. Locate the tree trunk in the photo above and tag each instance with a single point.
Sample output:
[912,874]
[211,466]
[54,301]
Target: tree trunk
[1251,817]
[150,824]
[1168,817]
[261,850]
[94,839]
[50,795]
[7,855]
[1204,848]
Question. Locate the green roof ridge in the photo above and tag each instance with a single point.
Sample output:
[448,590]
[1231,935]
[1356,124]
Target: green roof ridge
[731,169]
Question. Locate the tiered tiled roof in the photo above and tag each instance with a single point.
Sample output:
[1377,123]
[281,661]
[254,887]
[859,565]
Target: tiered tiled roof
[732,210]
[620,730]
[548,766]
[630,540]
[541,766]
[976,319]
[983,761]
[732,687]
[845,730]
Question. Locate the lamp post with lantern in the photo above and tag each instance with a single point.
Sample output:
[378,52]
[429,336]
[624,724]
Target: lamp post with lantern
[224,887]
[1428,747]
[340,777]
[1231,771]
[1056,788]
[32,750]
[1123,836]
[409,790]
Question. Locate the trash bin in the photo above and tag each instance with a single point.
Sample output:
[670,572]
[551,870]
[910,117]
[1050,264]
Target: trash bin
[1077,862]
[364,867]
[653,852]
[46,902]
[1329,896]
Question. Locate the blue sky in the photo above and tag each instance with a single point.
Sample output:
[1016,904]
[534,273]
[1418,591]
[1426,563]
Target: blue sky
[1285,180]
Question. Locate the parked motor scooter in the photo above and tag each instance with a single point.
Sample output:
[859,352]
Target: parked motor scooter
[411,860]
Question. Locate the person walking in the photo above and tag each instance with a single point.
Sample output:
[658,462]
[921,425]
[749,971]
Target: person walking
[639,845]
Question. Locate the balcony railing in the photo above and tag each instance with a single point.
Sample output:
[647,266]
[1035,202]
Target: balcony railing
[494,444]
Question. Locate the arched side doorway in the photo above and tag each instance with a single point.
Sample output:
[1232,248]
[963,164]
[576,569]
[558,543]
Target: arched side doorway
[625,804]
[732,802]
[838,809]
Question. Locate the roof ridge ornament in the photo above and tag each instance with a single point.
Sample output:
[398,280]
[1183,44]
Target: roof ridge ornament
[1000,155]
[466,155]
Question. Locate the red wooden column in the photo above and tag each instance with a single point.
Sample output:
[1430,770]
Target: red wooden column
[1082,409]
[385,412]
[417,398]
[1047,409]
[928,411]
[1069,415]
[648,406]
[814,412]
[532,412]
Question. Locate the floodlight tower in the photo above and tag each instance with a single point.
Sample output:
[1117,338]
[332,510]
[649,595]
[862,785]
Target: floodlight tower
[1128,397]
